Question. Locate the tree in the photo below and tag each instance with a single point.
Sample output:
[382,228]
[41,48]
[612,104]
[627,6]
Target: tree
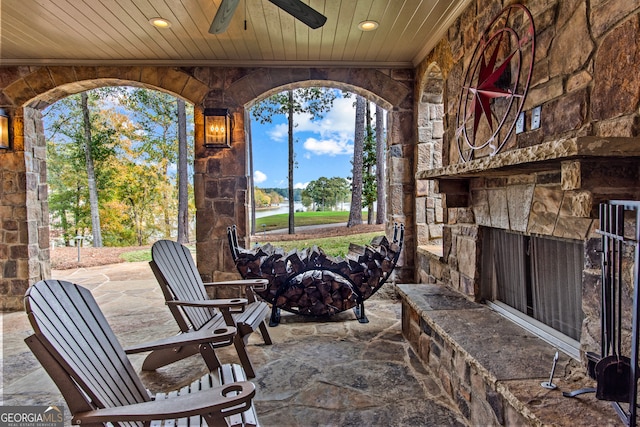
[325,192]
[81,147]
[313,101]
[369,191]
[355,213]
[156,114]
[91,174]
[275,197]
[381,211]
[183,188]
[261,198]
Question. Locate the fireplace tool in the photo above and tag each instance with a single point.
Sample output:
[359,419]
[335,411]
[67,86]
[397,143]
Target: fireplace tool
[615,374]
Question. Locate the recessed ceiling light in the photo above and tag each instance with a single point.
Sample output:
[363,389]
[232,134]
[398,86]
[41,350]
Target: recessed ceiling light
[368,25]
[160,22]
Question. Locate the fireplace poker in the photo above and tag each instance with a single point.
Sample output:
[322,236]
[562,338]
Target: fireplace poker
[549,384]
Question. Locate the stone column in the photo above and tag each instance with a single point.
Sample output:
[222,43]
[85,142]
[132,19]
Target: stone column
[221,188]
[24,219]
[401,202]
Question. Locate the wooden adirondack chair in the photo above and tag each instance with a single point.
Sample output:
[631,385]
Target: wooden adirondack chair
[193,310]
[76,346]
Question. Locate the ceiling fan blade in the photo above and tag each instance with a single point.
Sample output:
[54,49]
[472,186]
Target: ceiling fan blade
[223,16]
[302,12]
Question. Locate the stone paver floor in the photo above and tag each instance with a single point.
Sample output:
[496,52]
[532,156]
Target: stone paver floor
[335,372]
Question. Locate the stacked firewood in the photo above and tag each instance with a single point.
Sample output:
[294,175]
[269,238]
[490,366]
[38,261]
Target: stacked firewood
[310,282]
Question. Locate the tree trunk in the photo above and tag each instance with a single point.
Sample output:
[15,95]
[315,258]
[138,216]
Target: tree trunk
[183,194]
[291,157]
[91,174]
[355,213]
[381,143]
[369,165]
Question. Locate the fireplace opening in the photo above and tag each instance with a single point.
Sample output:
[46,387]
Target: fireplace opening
[537,282]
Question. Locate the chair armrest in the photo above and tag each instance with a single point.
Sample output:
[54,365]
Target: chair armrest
[213,303]
[259,284]
[222,334]
[216,401]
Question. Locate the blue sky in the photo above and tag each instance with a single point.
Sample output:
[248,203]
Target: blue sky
[323,148]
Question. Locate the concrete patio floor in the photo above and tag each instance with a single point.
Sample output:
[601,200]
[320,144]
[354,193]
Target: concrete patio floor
[335,372]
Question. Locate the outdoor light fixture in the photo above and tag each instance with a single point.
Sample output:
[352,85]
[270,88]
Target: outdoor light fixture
[4,129]
[160,22]
[368,25]
[217,128]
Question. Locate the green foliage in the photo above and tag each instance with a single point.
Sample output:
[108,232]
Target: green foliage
[315,101]
[327,192]
[332,246]
[297,192]
[261,199]
[369,183]
[137,256]
[133,163]
[67,176]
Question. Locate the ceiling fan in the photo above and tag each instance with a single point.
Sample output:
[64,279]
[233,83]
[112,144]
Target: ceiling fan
[296,8]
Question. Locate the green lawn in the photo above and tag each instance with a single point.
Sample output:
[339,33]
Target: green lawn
[276,222]
[333,246]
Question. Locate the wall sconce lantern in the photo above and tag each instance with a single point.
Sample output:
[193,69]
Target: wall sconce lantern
[217,128]
[4,129]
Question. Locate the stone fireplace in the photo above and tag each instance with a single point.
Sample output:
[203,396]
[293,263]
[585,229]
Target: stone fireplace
[549,191]
[541,187]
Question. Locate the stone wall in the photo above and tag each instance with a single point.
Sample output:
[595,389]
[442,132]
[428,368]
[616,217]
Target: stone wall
[585,80]
[221,180]
[24,222]
[430,215]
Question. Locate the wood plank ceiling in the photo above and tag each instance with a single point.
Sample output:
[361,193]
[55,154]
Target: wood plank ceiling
[112,32]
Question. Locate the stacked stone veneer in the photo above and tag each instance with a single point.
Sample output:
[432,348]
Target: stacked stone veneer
[430,213]
[221,181]
[547,181]
[24,230]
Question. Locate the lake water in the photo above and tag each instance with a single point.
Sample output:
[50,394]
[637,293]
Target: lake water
[284,208]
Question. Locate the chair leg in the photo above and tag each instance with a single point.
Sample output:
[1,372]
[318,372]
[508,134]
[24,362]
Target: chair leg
[159,358]
[210,357]
[265,333]
[244,357]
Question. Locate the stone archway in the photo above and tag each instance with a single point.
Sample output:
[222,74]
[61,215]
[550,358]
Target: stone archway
[226,200]
[24,226]
[221,175]
[430,214]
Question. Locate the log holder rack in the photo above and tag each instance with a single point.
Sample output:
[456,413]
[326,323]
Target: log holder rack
[292,276]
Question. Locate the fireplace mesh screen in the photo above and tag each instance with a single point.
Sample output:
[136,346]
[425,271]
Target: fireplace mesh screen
[539,277]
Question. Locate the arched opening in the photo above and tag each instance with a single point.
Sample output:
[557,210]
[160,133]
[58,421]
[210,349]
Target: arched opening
[23,199]
[221,179]
[124,191]
[430,214]
[323,149]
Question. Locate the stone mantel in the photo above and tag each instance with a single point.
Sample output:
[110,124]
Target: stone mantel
[545,156]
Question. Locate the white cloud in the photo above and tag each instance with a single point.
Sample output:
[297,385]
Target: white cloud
[301,185]
[333,133]
[259,177]
[330,147]
[340,120]
[279,132]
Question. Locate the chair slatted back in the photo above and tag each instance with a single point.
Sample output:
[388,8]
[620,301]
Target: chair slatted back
[179,275]
[69,323]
